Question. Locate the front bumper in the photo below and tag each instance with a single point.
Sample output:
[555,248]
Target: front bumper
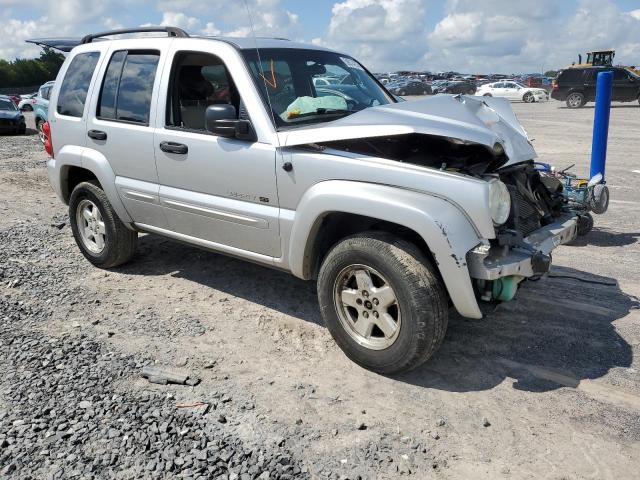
[541,96]
[492,263]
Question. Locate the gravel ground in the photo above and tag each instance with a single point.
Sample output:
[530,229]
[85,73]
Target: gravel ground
[544,387]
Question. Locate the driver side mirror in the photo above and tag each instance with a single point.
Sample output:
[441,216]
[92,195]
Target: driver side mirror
[221,120]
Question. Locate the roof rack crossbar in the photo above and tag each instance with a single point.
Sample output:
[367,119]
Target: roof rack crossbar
[171,31]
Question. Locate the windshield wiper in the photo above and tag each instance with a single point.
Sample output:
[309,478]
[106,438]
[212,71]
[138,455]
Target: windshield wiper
[323,111]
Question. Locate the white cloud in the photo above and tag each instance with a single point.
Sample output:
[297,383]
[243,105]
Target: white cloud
[180,20]
[384,34]
[508,36]
[471,36]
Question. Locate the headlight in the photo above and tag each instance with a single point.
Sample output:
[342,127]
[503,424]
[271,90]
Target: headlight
[499,202]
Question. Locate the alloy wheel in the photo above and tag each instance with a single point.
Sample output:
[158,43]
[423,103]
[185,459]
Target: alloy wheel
[367,307]
[574,100]
[91,226]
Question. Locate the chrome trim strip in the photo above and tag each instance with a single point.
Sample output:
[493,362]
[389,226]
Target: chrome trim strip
[144,197]
[217,214]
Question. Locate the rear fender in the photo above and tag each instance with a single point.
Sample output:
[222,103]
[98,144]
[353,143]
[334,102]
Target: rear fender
[97,163]
[444,228]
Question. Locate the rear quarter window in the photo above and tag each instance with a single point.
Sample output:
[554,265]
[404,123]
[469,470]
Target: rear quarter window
[75,85]
[571,75]
[128,86]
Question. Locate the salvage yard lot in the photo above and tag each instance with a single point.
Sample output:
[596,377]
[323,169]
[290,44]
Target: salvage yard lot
[547,386]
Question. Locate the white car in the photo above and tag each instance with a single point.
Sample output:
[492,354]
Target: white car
[513,91]
[27,101]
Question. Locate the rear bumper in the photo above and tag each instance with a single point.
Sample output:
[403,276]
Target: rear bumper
[10,128]
[556,95]
[496,262]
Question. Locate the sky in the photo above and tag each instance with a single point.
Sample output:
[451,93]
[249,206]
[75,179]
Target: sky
[470,36]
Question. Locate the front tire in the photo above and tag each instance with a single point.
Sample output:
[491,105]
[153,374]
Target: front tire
[585,224]
[102,237]
[487,95]
[382,302]
[528,98]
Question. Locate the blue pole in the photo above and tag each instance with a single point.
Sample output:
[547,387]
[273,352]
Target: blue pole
[601,123]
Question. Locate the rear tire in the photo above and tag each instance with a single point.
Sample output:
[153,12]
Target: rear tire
[402,319]
[102,237]
[39,124]
[575,100]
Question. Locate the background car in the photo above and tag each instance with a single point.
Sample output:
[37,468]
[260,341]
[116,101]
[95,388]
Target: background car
[577,86]
[458,87]
[26,102]
[410,87]
[513,91]
[11,120]
[41,108]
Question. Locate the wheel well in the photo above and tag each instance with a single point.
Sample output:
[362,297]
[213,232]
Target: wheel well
[72,176]
[333,227]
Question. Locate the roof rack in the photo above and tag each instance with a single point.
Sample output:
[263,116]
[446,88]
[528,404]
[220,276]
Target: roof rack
[171,31]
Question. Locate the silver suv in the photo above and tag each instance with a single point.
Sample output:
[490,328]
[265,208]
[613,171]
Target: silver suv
[396,209]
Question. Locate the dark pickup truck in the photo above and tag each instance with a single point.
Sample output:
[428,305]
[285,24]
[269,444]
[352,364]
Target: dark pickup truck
[577,86]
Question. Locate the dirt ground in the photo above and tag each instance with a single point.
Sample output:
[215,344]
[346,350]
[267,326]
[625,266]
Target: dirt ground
[546,386]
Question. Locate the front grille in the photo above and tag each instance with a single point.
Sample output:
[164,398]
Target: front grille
[525,217]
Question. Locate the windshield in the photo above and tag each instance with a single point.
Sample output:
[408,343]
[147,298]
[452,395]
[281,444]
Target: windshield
[311,86]
[6,104]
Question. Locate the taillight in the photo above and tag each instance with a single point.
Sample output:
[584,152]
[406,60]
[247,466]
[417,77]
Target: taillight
[48,145]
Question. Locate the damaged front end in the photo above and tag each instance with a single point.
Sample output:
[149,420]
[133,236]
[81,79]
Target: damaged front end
[533,209]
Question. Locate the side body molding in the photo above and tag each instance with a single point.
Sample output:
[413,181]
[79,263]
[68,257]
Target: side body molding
[444,228]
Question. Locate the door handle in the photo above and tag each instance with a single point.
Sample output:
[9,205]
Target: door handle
[97,134]
[173,147]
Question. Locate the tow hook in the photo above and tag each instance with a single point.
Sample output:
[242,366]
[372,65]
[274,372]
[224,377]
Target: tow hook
[540,262]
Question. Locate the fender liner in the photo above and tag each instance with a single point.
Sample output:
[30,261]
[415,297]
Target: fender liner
[444,228]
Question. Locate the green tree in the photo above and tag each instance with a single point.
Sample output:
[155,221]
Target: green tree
[551,73]
[29,72]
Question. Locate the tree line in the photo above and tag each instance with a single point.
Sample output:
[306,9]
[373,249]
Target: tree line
[34,71]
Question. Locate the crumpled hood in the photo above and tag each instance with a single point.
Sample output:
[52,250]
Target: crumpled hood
[483,120]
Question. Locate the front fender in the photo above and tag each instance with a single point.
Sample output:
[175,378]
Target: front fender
[445,229]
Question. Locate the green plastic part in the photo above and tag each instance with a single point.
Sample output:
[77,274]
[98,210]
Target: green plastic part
[505,288]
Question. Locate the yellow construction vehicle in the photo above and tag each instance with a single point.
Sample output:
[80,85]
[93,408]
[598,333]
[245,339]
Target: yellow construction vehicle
[601,58]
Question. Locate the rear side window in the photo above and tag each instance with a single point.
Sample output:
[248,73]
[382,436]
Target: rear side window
[74,88]
[571,75]
[127,86]
[620,75]
[45,93]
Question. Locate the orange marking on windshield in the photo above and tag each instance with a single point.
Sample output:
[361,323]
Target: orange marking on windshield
[273,83]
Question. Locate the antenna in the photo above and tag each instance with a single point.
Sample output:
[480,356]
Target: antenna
[264,80]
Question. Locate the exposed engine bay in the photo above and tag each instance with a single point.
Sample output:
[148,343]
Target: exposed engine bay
[539,196]
[428,151]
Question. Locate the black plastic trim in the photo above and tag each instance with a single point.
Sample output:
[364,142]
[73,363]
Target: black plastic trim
[171,31]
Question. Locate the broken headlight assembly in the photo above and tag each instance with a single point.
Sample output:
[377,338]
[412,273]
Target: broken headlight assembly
[499,201]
